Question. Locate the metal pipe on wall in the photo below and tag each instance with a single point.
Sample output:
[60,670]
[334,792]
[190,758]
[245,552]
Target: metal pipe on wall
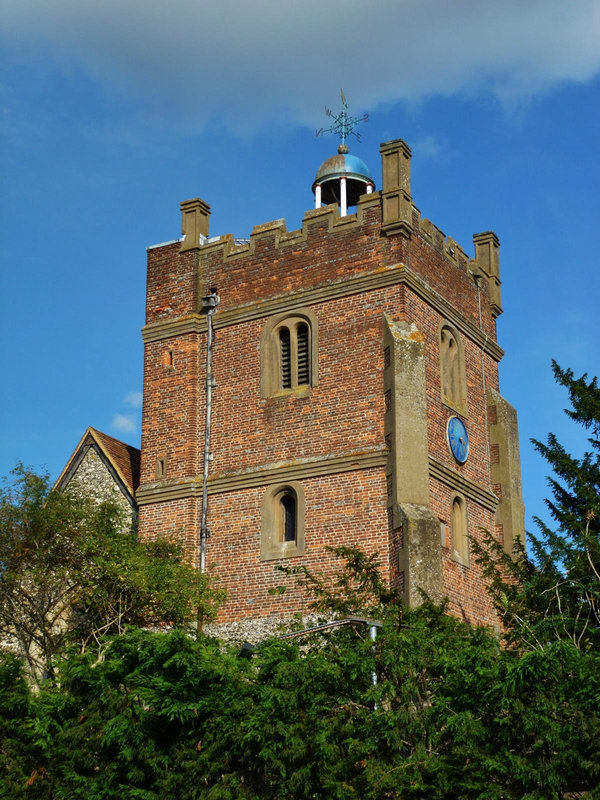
[210,304]
[373,637]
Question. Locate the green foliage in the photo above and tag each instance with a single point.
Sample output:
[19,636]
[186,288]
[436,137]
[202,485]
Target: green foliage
[69,574]
[14,740]
[555,593]
[452,714]
[357,586]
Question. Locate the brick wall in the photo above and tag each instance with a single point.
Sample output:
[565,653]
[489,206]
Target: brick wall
[357,516]
[173,408]
[342,415]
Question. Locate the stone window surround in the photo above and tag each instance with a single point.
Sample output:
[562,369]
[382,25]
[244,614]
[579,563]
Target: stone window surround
[270,366]
[460,550]
[272,545]
[456,404]
[161,467]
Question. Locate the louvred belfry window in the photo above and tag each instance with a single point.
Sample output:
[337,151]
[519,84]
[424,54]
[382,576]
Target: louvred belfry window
[303,354]
[289,353]
[294,355]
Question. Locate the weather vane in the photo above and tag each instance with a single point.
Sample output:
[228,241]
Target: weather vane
[343,124]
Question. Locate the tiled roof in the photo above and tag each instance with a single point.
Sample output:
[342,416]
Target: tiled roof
[124,458]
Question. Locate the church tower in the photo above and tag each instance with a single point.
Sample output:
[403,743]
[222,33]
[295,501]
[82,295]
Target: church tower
[355,397]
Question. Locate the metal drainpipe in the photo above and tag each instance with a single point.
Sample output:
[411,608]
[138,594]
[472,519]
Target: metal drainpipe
[373,637]
[209,304]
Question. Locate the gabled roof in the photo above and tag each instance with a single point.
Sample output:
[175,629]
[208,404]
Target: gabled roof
[122,458]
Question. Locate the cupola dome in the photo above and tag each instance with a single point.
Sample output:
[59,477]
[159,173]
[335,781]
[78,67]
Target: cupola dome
[339,175]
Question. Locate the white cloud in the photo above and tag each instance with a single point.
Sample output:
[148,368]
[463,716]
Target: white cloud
[427,147]
[248,64]
[133,399]
[124,423]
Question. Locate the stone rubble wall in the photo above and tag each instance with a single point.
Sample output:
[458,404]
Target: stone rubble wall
[93,479]
[255,631]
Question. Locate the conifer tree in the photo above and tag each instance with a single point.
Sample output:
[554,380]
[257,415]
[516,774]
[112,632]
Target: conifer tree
[555,592]
[451,716]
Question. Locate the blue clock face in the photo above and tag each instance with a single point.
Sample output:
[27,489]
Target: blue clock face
[458,439]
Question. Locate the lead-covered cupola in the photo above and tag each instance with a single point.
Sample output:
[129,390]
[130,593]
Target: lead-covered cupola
[343,178]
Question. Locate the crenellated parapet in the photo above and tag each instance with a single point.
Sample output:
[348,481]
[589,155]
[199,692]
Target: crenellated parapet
[391,210]
[330,252]
[486,261]
[327,218]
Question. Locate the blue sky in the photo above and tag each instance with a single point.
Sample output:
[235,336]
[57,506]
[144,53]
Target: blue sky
[114,112]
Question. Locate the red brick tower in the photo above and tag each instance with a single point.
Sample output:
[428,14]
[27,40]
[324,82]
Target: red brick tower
[356,397]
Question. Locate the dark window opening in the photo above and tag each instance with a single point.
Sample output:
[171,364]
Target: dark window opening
[286,358]
[288,507]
